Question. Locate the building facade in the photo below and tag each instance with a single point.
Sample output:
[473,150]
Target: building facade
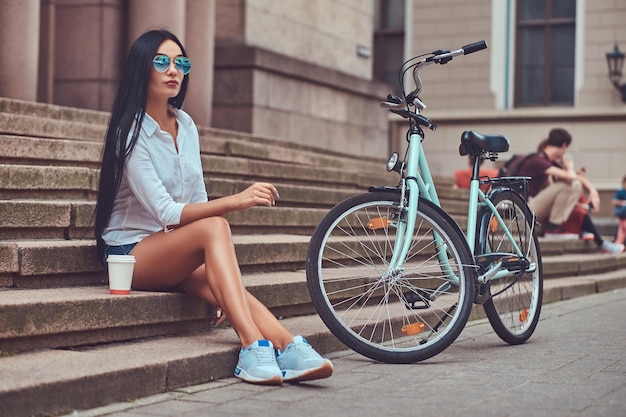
[545,67]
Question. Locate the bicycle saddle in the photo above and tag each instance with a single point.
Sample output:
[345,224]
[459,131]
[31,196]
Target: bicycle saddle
[474,143]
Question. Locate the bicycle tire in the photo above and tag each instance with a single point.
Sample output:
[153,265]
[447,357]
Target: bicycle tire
[366,309]
[514,305]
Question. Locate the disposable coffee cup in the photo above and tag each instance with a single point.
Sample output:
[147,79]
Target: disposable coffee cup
[120,273]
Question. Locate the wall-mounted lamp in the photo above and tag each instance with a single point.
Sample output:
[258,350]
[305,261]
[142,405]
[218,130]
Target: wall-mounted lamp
[615,61]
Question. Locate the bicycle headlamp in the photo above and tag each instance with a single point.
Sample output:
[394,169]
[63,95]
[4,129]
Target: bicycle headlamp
[394,164]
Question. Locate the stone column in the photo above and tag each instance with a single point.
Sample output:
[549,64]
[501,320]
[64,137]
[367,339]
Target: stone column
[200,46]
[89,52]
[45,85]
[144,15]
[19,48]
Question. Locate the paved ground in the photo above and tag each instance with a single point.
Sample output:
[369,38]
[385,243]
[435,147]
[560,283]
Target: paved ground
[574,365]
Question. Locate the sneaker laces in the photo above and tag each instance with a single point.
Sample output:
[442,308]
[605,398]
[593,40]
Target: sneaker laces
[264,355]
[303,349]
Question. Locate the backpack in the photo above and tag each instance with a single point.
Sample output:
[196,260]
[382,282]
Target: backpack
[512,166]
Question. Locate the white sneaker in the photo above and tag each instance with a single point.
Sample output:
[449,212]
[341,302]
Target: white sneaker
[300,362]
[611,247]
[257,364]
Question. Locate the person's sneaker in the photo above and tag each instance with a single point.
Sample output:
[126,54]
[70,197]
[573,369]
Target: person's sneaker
[611,247]
[257,364]
[557,232]
[300,362]
[587,236]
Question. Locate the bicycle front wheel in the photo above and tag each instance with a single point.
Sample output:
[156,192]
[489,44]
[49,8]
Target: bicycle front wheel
[514,305]
[403,315]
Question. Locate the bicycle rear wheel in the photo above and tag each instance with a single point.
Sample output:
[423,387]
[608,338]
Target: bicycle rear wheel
[515,304]
[401,316]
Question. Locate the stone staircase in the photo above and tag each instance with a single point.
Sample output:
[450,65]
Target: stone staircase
[66,344]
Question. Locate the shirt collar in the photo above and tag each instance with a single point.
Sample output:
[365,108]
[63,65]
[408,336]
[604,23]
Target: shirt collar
[149,125]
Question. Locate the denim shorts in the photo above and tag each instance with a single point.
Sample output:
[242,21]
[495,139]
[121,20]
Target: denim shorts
[116,250]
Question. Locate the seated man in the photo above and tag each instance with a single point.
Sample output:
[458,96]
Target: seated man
[555,188]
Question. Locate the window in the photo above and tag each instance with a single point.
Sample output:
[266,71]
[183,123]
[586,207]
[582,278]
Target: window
[388,41]
[546,35]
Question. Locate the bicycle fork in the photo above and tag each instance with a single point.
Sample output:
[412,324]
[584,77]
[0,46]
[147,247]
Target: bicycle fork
[414,185]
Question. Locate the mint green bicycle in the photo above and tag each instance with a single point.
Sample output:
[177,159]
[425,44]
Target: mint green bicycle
[393,276]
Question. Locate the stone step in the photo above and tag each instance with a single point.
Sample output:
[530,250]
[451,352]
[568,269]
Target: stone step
[299,210]
[60,263]
[37,263]
[16,115]
[59,381]
[52,111]
[75,316]
[66,219]
[62,182]
[22,150]
[249,160]
[25,125]
[32,181]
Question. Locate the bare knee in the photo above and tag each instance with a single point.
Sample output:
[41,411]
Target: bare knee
[214,228]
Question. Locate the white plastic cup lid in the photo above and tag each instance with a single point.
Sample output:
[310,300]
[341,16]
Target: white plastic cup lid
[121,258]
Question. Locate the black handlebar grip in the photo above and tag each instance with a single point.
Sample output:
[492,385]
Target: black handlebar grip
[474,47]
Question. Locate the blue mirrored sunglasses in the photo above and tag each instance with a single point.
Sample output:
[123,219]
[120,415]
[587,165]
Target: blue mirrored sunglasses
[162,63]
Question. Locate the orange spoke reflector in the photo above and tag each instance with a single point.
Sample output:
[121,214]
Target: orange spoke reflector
[493,225]
[413,328]
[378,223]
[523,315]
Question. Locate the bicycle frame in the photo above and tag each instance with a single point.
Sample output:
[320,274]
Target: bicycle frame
[419,182]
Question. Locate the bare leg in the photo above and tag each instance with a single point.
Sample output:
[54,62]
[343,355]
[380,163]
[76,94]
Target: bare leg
[199,258]
[271,329]
[621,231]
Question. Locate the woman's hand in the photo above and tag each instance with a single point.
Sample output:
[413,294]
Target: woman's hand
[258,194]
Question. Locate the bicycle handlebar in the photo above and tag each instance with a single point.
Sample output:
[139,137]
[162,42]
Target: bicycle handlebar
[436,57]
[474,47]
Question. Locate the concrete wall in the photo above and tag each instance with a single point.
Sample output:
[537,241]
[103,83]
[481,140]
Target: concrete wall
[290,70]
[322,32]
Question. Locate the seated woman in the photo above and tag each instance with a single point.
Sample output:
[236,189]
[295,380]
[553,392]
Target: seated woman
[152,203]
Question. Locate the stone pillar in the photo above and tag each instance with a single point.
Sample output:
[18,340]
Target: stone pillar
[19,48]
[144,15]
[200,35]
[89,52]
[45,85]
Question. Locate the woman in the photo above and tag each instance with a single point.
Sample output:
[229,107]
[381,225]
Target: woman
[619,203]
[152,203]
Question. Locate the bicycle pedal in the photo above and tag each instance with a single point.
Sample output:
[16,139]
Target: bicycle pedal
[413,297]
[515,263]
[509,261]
[487,260]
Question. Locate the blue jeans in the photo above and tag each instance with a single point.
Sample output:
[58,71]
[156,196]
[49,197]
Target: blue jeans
[116,250]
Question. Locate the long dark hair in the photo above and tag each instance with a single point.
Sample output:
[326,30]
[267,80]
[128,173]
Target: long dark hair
[129,109]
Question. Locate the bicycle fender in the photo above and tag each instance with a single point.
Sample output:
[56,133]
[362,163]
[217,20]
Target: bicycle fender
[484,215]
[385,188]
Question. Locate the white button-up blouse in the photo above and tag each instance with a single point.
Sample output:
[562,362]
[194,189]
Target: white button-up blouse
[157,182]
